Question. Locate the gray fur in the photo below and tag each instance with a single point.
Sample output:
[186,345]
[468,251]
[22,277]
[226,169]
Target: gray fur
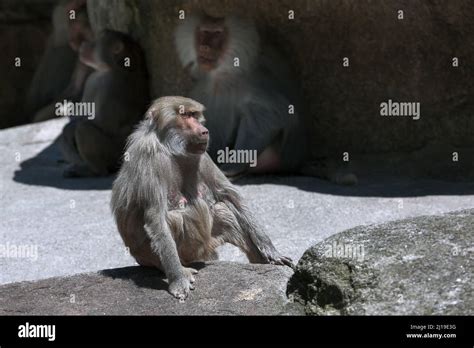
[146,200]
[93,147]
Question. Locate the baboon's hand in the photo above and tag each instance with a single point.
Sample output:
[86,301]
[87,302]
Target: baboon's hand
[279,259]
[273,257]
[181,286]
[190,272]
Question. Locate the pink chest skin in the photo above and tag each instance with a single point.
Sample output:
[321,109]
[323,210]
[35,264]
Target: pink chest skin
[176,200]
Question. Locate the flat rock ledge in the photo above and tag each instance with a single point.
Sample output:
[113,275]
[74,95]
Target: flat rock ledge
[417,266]
[222,288]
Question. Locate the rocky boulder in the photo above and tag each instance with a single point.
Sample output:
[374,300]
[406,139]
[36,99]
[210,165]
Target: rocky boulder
[417,266]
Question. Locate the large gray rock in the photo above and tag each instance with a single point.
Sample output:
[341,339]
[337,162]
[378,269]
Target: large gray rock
[222,288]
[418,266]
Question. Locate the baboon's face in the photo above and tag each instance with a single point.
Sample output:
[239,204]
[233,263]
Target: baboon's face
[211,42]
[190,126]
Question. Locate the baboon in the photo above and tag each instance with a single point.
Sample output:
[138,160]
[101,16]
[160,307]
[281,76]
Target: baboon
[60,74]
[251,97]
[248,90]
[173,206]
[118,92]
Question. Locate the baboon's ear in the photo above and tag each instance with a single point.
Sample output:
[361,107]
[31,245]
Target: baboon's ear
[153,114]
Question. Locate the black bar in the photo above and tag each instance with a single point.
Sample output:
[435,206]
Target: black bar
[242,330]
